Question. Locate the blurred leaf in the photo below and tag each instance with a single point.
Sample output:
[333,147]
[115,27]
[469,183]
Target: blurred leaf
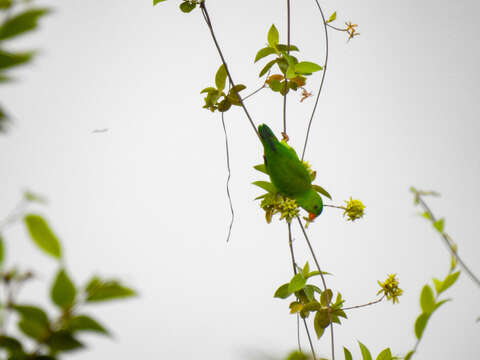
[155,2]
[42,236]
[426,215]
[440,303]
[33,329]
[264,52]
[210,90]
[2,251]
[63,341]
[261,168]
[265,185]
[306,67]
[365,352]
[449,281]
[32,313]
[439,224]
[282,292]
[427,300]
[297,283]
[438,285]
[348,354]
[105,290]
[85,323]
[332,17]
[32,197]
[21,23]
[322,191]
[12,345]
[272,36]
[409,355]
[63,291]
[267,67]
[420,324]
[186,6]
[221,77]
[385,354]
[5,4]
[8,59]
[33,321]
[3,120]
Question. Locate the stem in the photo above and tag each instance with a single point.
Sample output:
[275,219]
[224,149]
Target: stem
[203,7]
[336,28]
[253,93]
[447,242]
[286,81]
[322,81]
[332,344]
[228,179]
[368,304]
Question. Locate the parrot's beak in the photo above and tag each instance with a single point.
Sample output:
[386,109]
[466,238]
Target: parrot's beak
[311,216]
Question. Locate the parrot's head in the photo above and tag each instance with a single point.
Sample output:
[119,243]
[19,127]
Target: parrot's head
[311,202]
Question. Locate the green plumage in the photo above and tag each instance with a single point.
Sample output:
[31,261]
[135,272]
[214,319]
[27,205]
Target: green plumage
[288,173]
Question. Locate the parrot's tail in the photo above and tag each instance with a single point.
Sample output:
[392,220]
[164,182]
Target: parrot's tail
[267,136]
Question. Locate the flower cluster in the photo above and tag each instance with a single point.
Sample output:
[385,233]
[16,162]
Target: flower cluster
[354,209]
[313,173]
[390,288]
[276,203]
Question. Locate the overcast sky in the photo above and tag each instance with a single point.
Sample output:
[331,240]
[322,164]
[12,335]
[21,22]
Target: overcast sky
[146,201]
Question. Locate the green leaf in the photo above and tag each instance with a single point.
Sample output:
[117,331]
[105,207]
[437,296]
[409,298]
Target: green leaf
[155,2]
[8,59]
[319,322]
[63,291]
[290,73]
[265,185]
[322,191]
[33,329]
[420,324]
[105,290]
[12,345]
[261,168]
[439,224]
[306,67]
[186,6]
[2,251]
[427,300]
[63,341]
[282,292]
[233,95]
[42,236]
[210,90]
[85,323]
[332,17]
[348,354]
[33,197]
[440,303]
[438,285]
[5,4]
[272,36]
[306,270]
[21,23]
[326,297]
[264,52]
[221,77]
[365,352]
[385,354]
[309,291]
[426,215]
[283,47]
[449,281]
[297,283]
[275,85]
[267,67]
[32,313]
[409,355]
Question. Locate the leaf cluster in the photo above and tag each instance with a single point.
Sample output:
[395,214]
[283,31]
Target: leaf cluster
[293,73]
[216,98]
[385,354]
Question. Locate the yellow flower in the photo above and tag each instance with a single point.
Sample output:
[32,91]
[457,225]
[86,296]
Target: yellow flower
[390,288]
[354,209]
[350,29]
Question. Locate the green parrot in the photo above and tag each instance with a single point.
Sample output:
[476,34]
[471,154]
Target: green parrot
[288,174]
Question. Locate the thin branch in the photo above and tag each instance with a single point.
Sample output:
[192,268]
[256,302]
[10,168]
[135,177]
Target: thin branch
[447,242]
[332,343]
[368,304]
[322,81]
[228,178]
[203,7]
[336,28]
[253,93]
[286,81]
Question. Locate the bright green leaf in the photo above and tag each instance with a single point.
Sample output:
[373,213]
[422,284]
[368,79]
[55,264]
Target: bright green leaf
[21,23]
[332,17]
[221,77]
[320,322]
[265,185]
[261,168]
[438,285]
[290,74]
[85,323]
[187,6]
[309,291]
[42,236]
[427,300]
[365,352]
[155,2]
[306,270]
[426,215]
[326,297]
[297,283]
[282,292]
[210,90]
[385,354]
[439,225]
[348,354]
[104,290]
[306,67]
[264,52]
[322,191]
[420,324]
[409,355]
[449,281]
[267,67]
[272,36]
[283,47]
[440,303]
[63,291]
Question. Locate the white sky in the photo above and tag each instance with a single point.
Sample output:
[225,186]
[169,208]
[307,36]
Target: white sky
[146,200]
